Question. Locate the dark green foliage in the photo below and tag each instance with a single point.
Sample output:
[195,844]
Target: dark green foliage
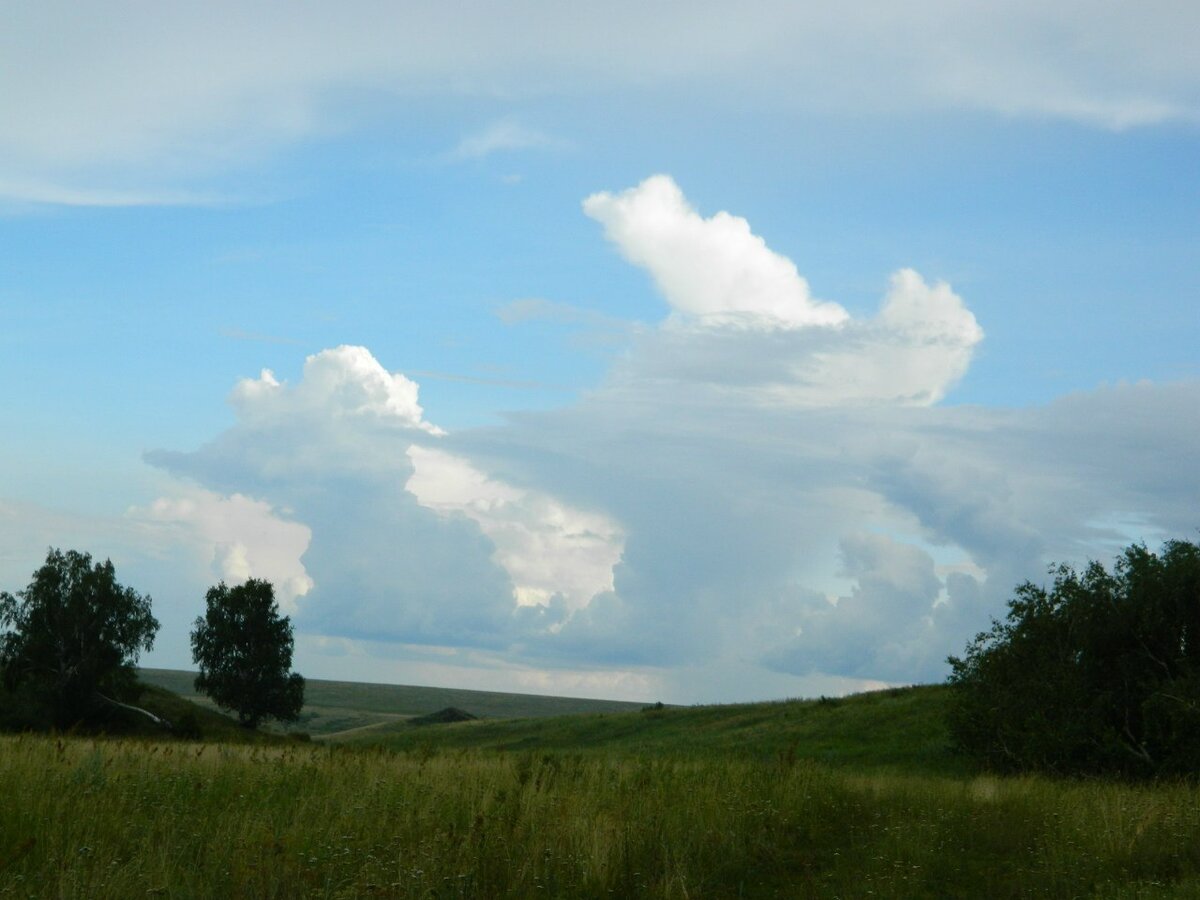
[1100,674]
[187,726]
[70,642]
[243,648]
[445,716]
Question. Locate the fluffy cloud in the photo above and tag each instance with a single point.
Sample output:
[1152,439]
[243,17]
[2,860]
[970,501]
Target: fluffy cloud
[345,381]
[897,622]
[332,450]
[551,551]
[744,320]
[386,537]
[714,269]
[861,542]
[244,538]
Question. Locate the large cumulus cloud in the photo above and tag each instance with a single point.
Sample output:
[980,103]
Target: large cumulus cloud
[402,541]
[764,489]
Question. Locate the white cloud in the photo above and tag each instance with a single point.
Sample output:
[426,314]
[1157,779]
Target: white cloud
[917,347]
[745,321]
[343,381]
[714,269]
[742,522]
[549,549]
[405,542]
[244,538]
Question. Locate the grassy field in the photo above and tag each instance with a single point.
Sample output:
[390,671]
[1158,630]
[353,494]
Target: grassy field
[849,798]
[331,707]
[96,819]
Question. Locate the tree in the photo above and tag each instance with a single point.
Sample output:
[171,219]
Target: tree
[1101,673]
[71,639]
[243,647]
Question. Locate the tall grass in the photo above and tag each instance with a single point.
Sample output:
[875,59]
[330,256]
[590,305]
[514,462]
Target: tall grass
[93,818]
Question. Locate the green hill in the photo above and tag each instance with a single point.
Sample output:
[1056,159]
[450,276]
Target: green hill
[333,707]
[901,729]
[189,720]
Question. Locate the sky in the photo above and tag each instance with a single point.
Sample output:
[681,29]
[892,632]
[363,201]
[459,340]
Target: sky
[654,351]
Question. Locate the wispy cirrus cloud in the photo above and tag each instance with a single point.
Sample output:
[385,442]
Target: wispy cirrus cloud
[36,192]
[505,136]
[123,97]
[537,309]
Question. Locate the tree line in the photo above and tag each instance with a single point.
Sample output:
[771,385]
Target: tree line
[1097,674]
[70,641]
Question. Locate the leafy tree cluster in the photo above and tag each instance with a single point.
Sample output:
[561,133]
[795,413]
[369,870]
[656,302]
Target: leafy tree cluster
[71,639]
[69,645]
[1098,674]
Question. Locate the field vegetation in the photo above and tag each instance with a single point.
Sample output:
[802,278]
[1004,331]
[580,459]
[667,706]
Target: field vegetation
[818,813]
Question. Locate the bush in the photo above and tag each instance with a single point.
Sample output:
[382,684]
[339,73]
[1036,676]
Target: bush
[1100,674]
[187,726]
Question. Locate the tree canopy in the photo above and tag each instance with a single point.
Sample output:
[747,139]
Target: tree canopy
[1100,673]
[72,637]
[243,648]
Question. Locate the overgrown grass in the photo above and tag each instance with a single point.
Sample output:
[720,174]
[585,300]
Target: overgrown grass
[94,818]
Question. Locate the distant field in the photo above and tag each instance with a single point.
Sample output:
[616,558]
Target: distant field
[896,730]
[333,707]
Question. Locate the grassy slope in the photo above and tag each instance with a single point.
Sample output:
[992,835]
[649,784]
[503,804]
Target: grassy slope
[336,706]
[900,730]
[214,726]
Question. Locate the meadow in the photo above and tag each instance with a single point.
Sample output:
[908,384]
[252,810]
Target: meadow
[97,818]
[136,817]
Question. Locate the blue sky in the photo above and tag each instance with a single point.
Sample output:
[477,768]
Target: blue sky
[655,351]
